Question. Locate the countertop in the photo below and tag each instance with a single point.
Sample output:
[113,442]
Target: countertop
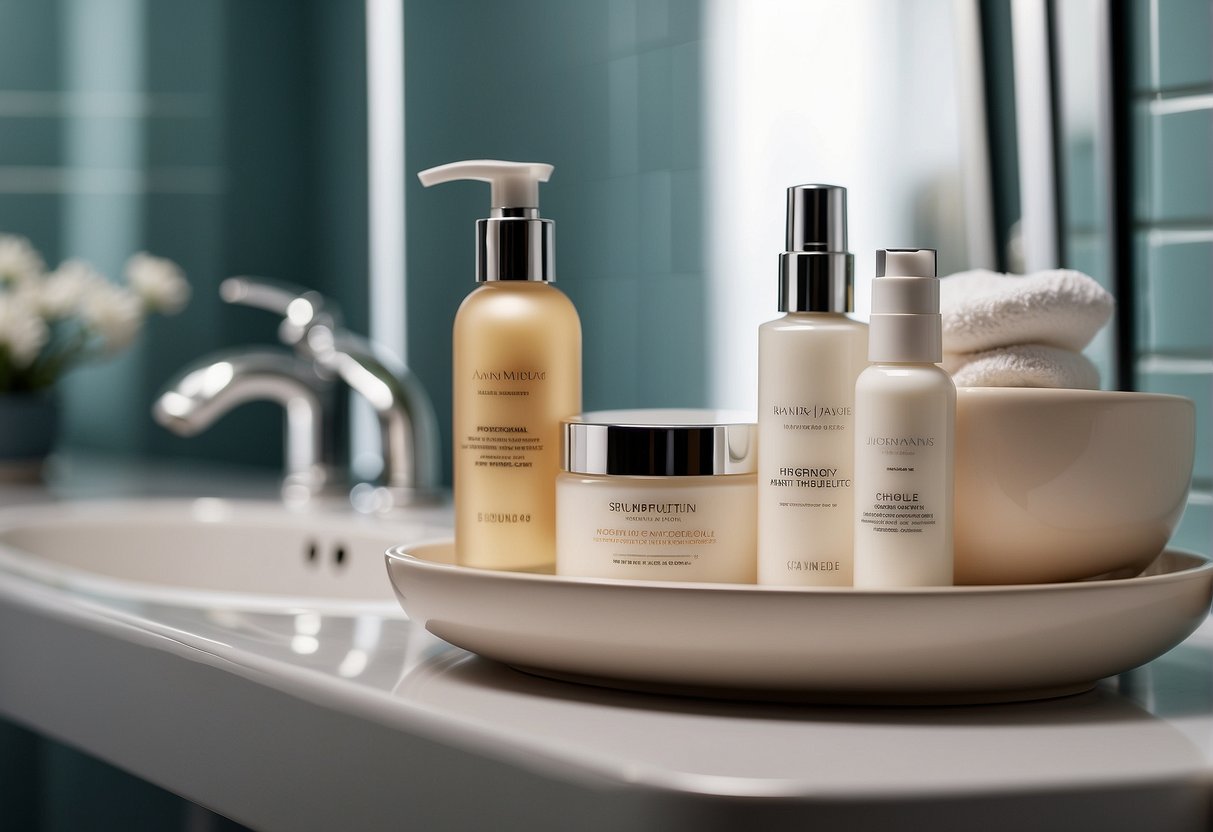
[378,724]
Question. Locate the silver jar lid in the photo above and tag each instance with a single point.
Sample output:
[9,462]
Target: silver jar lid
[660,443]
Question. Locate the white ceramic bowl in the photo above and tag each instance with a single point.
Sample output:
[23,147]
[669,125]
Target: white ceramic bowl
[1061,485]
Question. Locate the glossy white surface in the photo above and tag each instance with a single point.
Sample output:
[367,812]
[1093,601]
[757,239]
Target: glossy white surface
[211,552]
[920,645]
[303,720]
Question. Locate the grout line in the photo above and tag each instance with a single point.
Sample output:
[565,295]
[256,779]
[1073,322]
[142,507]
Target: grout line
[1178,236]
[36,104]
[1172,364]
[75,180]
[1194,227]
[1181,104]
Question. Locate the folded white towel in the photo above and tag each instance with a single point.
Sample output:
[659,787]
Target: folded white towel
[983,310]
[1023,365]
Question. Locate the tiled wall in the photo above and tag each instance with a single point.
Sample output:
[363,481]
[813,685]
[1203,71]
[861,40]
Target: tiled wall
[193,129]
[609,93]
[1173,149]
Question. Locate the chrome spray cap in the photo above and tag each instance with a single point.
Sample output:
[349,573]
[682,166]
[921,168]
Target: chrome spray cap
[817,273]
[513,242]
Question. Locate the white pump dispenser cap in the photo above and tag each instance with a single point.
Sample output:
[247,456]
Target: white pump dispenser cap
[514,184]
[905,326]
[513,242]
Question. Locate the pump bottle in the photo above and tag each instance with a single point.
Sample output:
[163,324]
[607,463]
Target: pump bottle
[905,409]
[808,361]
[516,376]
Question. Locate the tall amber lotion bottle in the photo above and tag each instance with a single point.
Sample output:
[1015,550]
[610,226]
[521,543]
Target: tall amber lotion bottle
[517,375]
[905,407]
[808,361]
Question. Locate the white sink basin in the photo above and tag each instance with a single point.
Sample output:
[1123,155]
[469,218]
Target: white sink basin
[213,553]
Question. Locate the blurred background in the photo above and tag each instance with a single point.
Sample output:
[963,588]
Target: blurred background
[282,138]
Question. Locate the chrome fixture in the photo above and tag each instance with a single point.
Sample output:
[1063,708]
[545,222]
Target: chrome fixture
[324,352]
[205,391]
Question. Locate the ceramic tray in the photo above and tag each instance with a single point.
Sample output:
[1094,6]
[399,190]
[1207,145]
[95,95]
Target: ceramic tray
[905,646]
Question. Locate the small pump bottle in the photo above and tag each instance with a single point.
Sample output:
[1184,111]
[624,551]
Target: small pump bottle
[905,409]
[517,376]
[807,364]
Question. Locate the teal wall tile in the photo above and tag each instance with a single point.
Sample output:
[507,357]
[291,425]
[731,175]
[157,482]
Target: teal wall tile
[185,54]
[672,372]
[591,128]
[656,109]
[623,108]
[687,221]
[1176,296]
[1196,526]
[622,241]
[685,20]
[1196,383]
[1080,170]
[189,141]
[656,214]
[652,23]
[30,40]
[686,122]
[1182,166]
[30,140]
[1185,43]
[1088,253]
[36,216]
[610,341]
[623,27]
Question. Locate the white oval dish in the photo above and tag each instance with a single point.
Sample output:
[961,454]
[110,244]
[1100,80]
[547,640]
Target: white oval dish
[928,645]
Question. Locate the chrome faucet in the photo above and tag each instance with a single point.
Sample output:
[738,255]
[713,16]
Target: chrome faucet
[324,351]
[205,391]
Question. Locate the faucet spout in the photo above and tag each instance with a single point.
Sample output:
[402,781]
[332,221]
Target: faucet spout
[203,392]
[324,351]
[407,424]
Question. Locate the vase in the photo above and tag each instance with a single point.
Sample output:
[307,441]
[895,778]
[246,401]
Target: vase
[29,426]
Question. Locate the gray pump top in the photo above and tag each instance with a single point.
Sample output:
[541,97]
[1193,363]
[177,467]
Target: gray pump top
[817,273]
[513,242]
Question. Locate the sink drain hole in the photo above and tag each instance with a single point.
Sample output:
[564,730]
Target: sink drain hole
[339,555]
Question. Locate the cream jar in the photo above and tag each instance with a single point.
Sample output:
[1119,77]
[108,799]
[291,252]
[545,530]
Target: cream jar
[658,495]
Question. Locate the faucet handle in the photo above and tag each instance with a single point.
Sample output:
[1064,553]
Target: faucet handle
[300,308]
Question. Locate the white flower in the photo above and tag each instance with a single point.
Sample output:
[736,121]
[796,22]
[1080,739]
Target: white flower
[64,290]
[22,332]
[20,262]
[159,281]
[114,314]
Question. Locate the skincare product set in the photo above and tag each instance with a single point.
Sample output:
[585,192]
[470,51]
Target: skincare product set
[1064,498]
[846,478]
